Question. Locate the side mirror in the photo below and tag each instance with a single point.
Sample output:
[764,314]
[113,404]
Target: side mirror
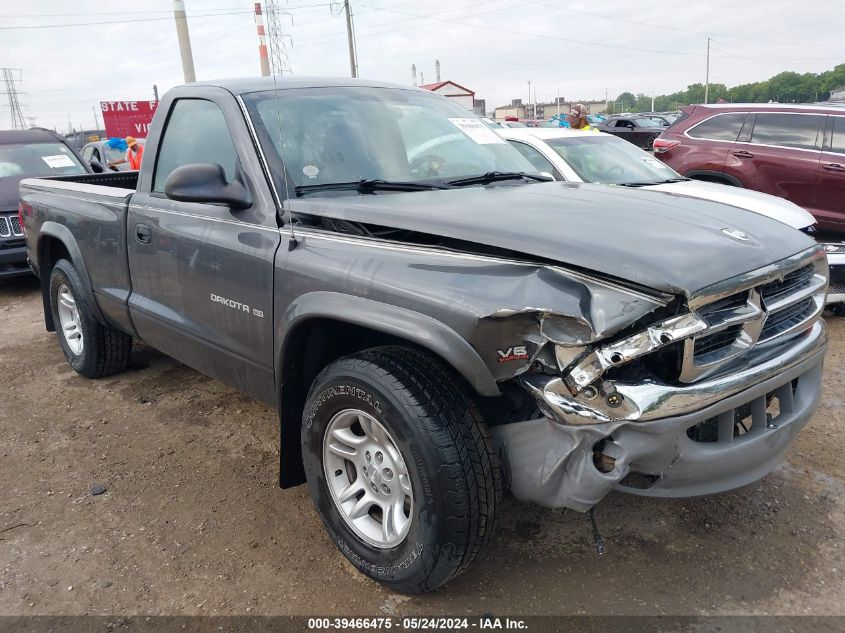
[96,166]
[206,182]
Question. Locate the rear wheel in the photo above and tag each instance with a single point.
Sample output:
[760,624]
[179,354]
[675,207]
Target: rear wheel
[92,349]
[400,467]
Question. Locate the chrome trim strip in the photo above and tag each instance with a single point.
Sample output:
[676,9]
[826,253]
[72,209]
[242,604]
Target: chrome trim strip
[261,157]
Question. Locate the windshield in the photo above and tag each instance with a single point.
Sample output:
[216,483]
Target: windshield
[346,134]
[38,159]
[611,161]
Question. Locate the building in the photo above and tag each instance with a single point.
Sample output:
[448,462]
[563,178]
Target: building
[838,94]
[461,95]
[544,110]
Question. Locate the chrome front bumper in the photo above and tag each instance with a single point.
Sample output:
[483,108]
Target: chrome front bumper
[552,461]
[651,400]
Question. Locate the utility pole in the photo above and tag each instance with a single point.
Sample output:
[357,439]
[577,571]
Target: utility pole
[350,36]
[11,92]
[707,74]
[558,102]
[155,92]
[652,98]
[184,41]
[279,60]
[527,105]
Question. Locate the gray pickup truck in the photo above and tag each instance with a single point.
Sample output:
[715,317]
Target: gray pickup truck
[433,320]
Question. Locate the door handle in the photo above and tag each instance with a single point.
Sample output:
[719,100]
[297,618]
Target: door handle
[143,234]
[833,167]
[743,154]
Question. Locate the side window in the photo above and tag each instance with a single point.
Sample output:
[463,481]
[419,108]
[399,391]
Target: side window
[195,132]
[787,130]
[537,160]
[838,145]
[622,123]
[722,127]
[87,153]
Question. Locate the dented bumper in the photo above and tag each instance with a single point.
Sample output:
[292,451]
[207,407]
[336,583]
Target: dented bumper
[668,441]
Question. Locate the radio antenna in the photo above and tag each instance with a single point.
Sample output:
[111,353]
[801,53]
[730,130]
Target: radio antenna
[280,64]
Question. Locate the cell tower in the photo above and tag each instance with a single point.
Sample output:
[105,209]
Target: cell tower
[9,80]
[279,60]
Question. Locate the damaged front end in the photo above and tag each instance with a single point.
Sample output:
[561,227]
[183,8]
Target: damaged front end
[694,396]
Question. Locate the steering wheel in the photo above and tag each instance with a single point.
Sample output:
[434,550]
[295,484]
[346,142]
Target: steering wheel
[427,165]
[615,173]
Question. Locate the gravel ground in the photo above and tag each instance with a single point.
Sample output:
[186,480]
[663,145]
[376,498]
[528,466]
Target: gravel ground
[192,521]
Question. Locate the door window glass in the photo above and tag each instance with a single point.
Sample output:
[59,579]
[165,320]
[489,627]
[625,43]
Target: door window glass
[787,130]
[838,145]
[537,160]
[722,127]
[196,132]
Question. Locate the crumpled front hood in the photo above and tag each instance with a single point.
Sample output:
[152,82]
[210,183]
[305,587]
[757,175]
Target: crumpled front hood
[668,243]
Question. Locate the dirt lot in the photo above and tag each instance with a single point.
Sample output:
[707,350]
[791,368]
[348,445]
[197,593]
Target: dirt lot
[193,523]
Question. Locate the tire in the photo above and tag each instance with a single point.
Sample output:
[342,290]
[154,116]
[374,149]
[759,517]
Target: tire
[454,485]
[649,142]
[91,348]
[837,309]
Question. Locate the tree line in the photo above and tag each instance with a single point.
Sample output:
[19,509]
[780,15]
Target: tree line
[786,87]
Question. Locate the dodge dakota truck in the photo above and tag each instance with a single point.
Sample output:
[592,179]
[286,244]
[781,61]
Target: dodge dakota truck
[434,320]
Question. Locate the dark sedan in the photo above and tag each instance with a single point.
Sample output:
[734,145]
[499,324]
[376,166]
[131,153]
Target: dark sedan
[639,130]
[24,154]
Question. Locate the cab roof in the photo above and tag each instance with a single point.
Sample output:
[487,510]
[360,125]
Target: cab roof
[261,84]
[35,135]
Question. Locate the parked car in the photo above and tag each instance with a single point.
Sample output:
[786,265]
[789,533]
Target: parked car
[796,152]
[99,153]
[24,154]
[576,156]
[639,130]
[432,323]
[78,140]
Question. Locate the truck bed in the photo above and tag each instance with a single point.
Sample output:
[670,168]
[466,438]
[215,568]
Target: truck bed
[116,179]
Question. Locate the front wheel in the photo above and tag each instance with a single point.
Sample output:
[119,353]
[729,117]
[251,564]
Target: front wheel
[400,467]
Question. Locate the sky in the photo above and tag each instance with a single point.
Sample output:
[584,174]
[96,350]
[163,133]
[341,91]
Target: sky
[578,49]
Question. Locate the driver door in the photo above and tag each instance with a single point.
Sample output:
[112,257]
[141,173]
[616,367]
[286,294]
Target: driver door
[202,273]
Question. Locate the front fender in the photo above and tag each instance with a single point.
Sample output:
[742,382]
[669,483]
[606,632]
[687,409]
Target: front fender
[412,326]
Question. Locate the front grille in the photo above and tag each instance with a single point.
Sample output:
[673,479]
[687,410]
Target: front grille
[771,309]
[15,223]
[5,229]
[787,318]
[792,282]
[713,344]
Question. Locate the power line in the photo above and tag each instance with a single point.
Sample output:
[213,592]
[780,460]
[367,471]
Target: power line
[145,11]
[105,22]
[665,26]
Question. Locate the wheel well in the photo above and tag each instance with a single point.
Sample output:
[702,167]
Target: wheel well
[313,345]
[50,250]
[722,179]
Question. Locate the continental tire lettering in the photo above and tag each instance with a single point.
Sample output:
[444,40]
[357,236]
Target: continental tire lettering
[380,570]
[340,390]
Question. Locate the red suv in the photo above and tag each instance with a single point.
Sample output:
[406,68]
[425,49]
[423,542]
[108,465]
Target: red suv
[795,152]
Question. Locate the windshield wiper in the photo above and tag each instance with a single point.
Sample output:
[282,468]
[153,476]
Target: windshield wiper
[495,176]
[654,182]
[366,185]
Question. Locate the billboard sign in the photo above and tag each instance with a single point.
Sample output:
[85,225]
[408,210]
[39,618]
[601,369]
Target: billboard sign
[128,118]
